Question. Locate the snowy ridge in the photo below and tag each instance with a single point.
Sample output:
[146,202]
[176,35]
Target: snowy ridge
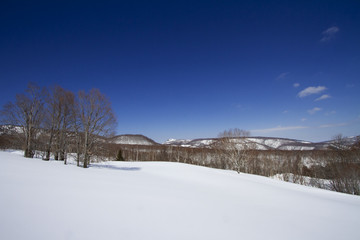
[10,129]
[132,139]
[261,143]
[202,142]
[177,142]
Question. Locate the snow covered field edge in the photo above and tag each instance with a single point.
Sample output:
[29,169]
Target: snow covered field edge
[161,200]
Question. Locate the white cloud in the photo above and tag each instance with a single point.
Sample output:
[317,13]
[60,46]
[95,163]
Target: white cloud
[331,30]
[279,128]
[303,119]
[282,75]
[323,97]
[311,90]
[329,34]
[314,110]
[296,85]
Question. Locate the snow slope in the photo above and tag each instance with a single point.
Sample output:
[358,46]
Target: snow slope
[160,200]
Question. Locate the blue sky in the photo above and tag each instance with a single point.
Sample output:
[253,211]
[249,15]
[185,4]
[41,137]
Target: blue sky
[191,69]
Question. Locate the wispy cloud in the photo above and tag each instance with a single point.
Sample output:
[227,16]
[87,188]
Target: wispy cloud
[333,125]
[323,97]
[279,128]
[240,106]
[303,119]
[329,34]
[330,113]
[311,90]
[282,75]
[296,85]
[314,110]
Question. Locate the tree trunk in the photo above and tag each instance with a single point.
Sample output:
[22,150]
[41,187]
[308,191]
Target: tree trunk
[65,159]
[47,156]
[28,153]
[62,155]
[85,161]
[48,150]
[86,153]
[78,152]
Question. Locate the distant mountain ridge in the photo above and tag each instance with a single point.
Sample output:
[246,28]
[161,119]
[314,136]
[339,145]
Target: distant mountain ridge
[259,143]
[263,143]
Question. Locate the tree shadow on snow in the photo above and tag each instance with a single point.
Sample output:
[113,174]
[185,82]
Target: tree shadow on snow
[116,168]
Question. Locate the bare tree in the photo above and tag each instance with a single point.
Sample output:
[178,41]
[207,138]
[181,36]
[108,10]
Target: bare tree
[59,105]
[52,117]
[233,146]
[76,130]
[68,104]
[26,112]
[97,119]
[344,165]
[340,142]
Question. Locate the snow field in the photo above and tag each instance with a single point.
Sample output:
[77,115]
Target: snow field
[160,200]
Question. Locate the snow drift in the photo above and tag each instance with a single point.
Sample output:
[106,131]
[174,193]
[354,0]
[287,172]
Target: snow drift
[160,200]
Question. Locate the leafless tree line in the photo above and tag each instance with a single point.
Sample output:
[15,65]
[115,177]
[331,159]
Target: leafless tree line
[260,162]
[337,168]
[344,166]
[58,121]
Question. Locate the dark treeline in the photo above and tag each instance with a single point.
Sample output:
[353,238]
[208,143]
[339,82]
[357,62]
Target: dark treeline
[57,121]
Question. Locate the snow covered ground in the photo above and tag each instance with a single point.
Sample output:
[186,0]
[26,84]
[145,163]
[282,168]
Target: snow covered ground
[160,200]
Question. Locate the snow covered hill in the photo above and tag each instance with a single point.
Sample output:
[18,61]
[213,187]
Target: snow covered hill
[161,200]
[132,139]
[261,143]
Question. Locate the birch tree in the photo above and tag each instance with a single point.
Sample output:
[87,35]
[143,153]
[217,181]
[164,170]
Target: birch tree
[97,120]
[59,108]
[52,117]
[27,113]
[233,146]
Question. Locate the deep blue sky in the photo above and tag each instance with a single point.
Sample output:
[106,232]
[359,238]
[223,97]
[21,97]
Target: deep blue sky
[191,69]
